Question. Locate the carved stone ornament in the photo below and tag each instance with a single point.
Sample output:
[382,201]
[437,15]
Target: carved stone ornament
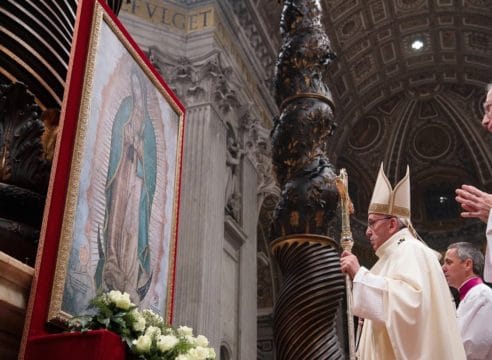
[204,81]
[234,157]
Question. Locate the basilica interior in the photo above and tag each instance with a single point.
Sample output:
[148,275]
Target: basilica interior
[408,84]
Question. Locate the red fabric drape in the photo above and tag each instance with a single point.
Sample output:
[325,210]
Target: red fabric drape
[91,345]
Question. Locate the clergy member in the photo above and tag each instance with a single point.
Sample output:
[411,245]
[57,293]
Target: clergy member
[476,203]
[404,298]
[463,265]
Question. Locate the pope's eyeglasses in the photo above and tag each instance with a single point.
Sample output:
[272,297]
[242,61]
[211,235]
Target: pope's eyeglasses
[371,223]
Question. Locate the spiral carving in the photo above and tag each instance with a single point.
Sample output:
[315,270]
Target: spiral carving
[313,286]
[308,301]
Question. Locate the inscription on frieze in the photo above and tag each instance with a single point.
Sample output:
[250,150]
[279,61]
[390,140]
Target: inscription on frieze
[160,13]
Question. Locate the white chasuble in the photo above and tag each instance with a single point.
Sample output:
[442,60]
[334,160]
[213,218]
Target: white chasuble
[406,303]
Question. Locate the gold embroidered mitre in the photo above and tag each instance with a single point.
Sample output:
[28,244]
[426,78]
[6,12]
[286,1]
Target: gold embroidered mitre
[388,201]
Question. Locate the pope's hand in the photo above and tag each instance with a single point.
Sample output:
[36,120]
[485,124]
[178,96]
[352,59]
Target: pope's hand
[349,264]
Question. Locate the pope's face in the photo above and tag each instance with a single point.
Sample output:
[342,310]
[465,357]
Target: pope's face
[379,229]
[454,269]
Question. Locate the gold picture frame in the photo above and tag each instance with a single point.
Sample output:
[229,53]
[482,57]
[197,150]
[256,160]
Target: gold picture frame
[119,225]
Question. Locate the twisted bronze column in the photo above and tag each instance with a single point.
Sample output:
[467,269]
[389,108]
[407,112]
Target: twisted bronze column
[313,286]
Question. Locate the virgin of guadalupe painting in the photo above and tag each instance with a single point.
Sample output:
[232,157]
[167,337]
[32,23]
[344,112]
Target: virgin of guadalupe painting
[124,252]
[119,226]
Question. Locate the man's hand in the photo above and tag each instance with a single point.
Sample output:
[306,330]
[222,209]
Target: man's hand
[476,203]
[349,264]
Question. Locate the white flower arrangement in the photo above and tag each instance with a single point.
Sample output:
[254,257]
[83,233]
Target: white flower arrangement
[145,332]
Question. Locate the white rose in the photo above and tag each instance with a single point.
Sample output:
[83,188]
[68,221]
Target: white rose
[114,295]
[121,300]
[153,331]
[183,357]
[142,344]
[190,339]
[198,353]
[138,321]
[201,341]
[185,330]
[166,342]
[211,353]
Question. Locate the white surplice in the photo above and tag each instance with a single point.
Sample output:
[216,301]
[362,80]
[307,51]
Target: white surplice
[474,318]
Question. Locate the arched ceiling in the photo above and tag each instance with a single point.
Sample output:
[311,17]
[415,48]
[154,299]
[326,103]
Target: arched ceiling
[374,42]
[416,107]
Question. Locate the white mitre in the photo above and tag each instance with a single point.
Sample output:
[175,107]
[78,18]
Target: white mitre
[389,201]
[394,202]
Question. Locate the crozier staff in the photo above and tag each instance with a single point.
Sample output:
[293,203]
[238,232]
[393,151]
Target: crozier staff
[347,243]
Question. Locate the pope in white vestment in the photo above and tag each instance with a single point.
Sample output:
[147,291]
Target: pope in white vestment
[406,304]
[404,299]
